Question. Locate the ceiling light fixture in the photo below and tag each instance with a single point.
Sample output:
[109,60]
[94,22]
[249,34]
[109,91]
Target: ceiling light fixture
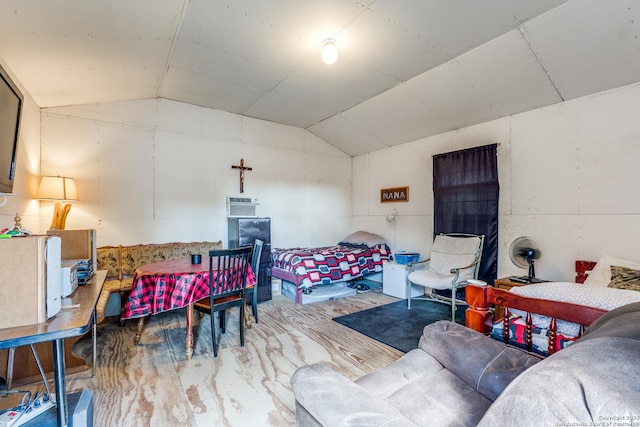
[329,51]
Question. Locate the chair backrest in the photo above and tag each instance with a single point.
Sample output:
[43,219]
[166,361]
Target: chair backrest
[255,256]
[228,270]
[456,250]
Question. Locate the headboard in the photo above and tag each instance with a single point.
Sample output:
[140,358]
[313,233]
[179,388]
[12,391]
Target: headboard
[583,268]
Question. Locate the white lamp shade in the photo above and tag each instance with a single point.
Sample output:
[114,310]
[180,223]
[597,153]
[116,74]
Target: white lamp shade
[329,52]
[57,188]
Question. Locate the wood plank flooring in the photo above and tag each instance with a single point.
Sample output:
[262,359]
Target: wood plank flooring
[153,384]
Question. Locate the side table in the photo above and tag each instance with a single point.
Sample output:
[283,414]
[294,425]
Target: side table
[394,280]
[506,284]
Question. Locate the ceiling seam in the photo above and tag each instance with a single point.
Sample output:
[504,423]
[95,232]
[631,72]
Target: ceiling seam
[172,48]
[553,85]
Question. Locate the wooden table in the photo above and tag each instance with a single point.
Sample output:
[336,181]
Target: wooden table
[66,324]
[169,285]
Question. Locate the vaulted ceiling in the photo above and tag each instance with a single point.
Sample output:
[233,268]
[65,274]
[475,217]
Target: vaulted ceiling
[408,69]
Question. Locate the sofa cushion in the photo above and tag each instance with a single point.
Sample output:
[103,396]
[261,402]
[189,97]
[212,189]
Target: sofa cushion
[587,383]
[486,365]
[415,386]
[331,399]
[185,250]
[423,391]
[109,259]
[414,366]
[150,254]
[441,399]
[130,259]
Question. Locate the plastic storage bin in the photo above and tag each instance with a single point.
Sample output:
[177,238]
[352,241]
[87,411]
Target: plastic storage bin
[407,257]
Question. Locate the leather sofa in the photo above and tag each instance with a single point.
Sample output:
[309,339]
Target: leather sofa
[460,377]
[121,263]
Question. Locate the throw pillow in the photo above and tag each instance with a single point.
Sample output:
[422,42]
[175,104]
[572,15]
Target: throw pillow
[364,238]
[625,278]
[601,274]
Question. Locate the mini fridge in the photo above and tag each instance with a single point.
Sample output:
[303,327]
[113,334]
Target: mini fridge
[243,232]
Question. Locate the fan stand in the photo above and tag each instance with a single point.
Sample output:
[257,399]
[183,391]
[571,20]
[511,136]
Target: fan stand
[532,272]
[531,278]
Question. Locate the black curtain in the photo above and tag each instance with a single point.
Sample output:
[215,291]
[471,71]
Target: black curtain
[466,190]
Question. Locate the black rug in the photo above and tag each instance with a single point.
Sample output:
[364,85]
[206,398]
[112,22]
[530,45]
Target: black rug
[395,326]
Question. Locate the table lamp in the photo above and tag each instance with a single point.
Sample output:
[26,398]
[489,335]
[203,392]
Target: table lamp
[58,189]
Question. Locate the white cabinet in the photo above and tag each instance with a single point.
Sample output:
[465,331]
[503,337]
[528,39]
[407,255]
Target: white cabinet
[394,281]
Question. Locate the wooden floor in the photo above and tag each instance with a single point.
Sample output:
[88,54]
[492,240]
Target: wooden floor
[153,384]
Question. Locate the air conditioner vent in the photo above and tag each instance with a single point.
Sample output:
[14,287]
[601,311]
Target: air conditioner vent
[241,207]
[246,200]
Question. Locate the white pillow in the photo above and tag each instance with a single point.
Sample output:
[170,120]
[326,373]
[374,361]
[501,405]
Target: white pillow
[601,273]
[364,238]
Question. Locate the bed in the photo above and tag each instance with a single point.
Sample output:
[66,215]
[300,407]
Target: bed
[356,256]
[546,317]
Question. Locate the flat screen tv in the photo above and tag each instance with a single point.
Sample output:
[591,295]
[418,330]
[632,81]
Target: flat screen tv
[10,110]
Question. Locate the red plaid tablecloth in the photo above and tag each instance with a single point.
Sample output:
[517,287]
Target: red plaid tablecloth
[168,285]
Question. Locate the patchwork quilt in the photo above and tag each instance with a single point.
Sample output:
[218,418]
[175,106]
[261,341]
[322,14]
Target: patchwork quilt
[326,265]
[539,336]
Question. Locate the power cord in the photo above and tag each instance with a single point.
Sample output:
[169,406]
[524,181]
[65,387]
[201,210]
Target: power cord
[31,405]
[21,408]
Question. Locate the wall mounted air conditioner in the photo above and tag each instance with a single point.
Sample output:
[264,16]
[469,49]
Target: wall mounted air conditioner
[241,207]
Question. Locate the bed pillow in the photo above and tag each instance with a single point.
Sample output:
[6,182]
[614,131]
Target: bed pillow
[625,278]
[601,273]
[363,238]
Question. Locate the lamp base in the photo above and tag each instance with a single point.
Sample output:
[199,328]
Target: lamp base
[60,216]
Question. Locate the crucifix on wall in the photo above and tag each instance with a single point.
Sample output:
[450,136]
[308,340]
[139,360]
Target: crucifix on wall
[242,168]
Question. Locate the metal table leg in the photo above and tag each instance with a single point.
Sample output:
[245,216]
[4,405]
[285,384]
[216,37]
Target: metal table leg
[60,382]
[12,354]
[94,339]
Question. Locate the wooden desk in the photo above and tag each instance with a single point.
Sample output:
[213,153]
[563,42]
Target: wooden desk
[67,323]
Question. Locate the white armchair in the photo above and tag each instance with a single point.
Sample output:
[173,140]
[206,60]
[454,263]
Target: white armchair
[455,259]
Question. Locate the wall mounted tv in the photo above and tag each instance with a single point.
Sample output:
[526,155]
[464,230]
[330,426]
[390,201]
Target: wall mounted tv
[10,110]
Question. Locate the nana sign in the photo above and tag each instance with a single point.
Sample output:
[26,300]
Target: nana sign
[398,194]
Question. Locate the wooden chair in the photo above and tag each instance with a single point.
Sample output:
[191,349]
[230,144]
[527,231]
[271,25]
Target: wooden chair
[227,280]
[252,292]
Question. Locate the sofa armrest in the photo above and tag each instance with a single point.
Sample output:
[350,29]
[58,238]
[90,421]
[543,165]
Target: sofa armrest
[331,399]
[481,362]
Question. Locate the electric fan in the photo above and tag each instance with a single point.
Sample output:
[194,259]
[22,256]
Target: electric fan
[523,252]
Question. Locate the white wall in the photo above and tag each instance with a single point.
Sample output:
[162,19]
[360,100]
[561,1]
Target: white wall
[568,178]
[27,173]
[158,171]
